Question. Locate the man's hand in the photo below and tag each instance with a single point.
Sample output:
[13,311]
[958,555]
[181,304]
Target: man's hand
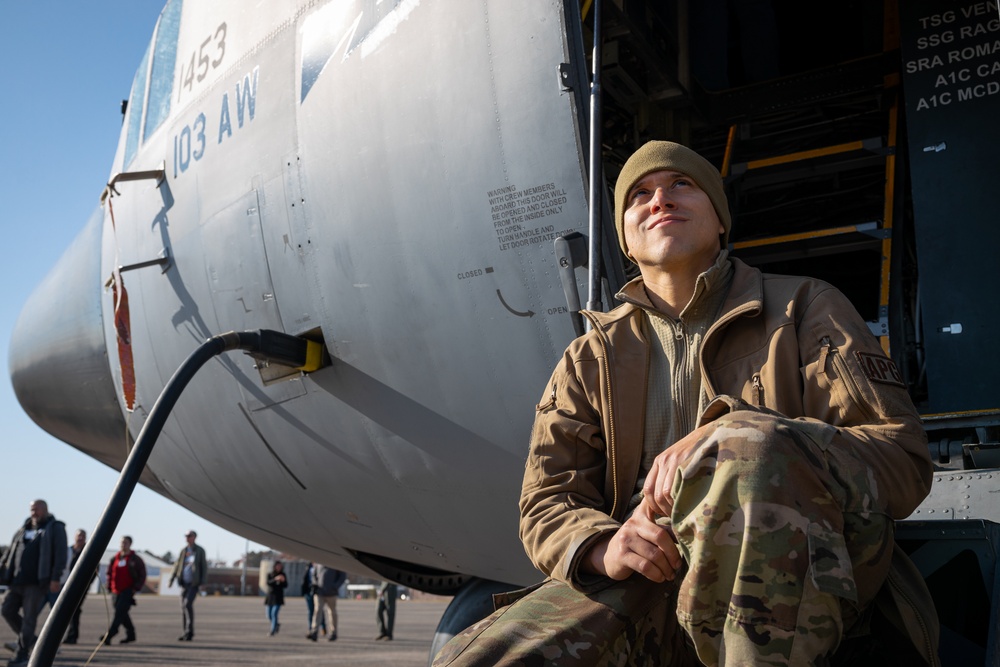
[659,483]
[640,545]
[54,586]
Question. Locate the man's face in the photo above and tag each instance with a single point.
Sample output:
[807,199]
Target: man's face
[670,223]
[190,539]
[79,540]
[38,512]
[126,545]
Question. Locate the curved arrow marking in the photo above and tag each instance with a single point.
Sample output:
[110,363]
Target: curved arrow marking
[530,313]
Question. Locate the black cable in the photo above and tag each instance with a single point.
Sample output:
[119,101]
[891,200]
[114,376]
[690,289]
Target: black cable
[79,579]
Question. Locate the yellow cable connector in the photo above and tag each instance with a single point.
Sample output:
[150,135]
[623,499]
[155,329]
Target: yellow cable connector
[314,357]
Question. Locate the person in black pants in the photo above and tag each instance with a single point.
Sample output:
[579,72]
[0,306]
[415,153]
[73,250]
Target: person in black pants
[126,575]
[190,571]
[79,542]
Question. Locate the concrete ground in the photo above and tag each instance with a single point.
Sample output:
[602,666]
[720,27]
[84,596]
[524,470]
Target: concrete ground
[234,631]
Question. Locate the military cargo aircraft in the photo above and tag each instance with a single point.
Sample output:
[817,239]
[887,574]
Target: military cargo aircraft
[407,184]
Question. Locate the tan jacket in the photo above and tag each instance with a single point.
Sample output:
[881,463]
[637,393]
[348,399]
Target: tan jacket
[795,345]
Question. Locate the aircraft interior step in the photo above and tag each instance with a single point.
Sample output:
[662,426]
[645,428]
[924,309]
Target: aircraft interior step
[958,559]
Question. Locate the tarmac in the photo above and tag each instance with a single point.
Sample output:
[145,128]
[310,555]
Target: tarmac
[232,630]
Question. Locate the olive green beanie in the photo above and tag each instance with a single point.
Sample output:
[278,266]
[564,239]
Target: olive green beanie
[666,155]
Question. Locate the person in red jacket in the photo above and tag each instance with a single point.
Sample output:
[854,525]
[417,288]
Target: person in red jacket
[126,575]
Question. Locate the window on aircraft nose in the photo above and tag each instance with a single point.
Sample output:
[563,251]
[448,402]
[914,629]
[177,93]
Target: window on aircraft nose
[161,76]
[135,109]
[161,80]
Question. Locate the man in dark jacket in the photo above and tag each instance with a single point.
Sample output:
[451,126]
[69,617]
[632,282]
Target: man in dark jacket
[126,575]
[327,582]
[31,568]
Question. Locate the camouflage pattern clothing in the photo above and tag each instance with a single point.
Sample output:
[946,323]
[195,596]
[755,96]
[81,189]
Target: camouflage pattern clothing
[783,548]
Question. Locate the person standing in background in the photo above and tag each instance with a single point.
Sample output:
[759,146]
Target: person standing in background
[386,610]
[31,568]
[309,593]
[328,582]
[190,570]
[276,583]
[73,554]
[126,575]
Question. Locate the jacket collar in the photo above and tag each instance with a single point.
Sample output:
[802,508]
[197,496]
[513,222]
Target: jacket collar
[746,292]
[712,279]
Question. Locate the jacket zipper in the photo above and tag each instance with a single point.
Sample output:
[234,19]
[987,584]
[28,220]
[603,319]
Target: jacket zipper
[683,355]
[757,391]
[612,444]
[549,403]
[844,374]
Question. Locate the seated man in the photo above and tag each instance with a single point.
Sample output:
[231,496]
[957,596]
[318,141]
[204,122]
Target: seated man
[716,466]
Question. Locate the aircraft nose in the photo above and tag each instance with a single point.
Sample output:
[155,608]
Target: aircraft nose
[58,360]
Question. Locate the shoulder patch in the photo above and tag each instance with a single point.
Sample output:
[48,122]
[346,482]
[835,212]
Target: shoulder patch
[878,368]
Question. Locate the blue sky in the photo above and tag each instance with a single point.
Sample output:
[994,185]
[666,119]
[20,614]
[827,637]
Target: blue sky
[67,66]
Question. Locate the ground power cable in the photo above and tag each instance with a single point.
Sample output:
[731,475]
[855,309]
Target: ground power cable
[264,345]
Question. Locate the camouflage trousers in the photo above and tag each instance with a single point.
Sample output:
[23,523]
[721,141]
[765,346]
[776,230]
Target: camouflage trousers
[783,547]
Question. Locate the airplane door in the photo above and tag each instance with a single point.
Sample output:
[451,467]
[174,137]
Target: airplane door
[951,80]
[242,292]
